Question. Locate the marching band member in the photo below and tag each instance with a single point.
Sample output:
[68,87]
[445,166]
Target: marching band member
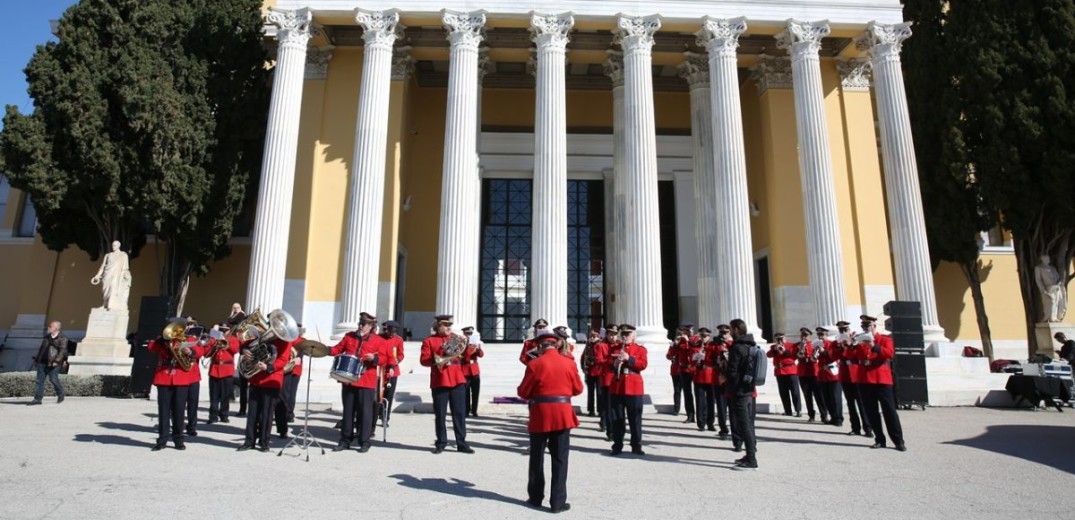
[285,407]
[221,378]
[783,354]
[703,360]
[828,376]
[721,346]
[591,370]
[173,383]
[235,318]
[808,368]
[195,389]
[603,358]
[394,348]
[529,347]
[264,393]
[626,390]
[682,370]
[567,343]
[449,387]
[874,352]
[471,370]
[548,384]
[844,351]
[359,397]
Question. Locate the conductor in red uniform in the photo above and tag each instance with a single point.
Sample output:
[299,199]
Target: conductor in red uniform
[265,389]
[551,380]
[359,396]
[874,352]
[625,392]
[221,378]
[172,384]
[449,386]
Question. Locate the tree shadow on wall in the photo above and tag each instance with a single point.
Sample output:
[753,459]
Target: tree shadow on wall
[952,293]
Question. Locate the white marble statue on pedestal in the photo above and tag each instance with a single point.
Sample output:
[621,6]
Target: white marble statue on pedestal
[1054,294]
[114,277]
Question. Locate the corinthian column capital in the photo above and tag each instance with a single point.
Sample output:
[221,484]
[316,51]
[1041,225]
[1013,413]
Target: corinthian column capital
[464,29]
[550,31]
[614,67]
[771,72]
[802,39]
[720,36]
[854,73]
[379,27]
[402,63]
[695,69]
[293,26]
[317,62]
[883,40]
[635,33]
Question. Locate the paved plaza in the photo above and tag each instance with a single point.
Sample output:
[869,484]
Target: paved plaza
[90,458]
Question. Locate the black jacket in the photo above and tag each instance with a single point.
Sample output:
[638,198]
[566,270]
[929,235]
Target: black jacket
[740,363]
[53,351]
[1068,351]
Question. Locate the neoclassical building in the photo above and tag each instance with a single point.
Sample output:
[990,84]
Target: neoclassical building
[591,162]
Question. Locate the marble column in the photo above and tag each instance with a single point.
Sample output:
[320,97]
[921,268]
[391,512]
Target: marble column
[696,71]
[824,254]
[457,274]
[362,256]
[548,283]
[910,253]
[268,252]
[614,256]
[642,265]
[734,270]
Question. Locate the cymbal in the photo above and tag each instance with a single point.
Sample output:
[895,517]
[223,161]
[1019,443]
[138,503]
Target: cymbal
[312,348]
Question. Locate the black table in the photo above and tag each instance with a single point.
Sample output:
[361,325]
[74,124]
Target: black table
[1033,389]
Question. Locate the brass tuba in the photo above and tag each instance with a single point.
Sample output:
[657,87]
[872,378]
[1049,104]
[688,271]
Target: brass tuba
[175,333]
[279,325]
[453,349]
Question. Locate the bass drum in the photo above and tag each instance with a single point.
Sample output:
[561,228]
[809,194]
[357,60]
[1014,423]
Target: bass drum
[345,368]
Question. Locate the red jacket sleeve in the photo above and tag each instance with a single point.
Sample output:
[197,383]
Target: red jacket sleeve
[426,357]
[639,360]
[527,387]
[576,383]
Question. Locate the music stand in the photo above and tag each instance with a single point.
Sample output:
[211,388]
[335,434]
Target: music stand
[304,439]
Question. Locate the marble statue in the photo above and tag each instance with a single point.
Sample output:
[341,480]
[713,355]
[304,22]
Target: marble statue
[1054,294]
[114,277]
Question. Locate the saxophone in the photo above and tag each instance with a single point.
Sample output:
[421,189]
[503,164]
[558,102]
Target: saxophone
[588,358]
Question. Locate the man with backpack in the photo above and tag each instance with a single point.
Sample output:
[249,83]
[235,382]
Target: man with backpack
[743,377]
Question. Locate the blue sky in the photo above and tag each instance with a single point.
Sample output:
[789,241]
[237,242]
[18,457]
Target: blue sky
[27,27]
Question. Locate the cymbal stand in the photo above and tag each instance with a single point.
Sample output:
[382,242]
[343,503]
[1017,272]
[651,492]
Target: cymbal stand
[304,439]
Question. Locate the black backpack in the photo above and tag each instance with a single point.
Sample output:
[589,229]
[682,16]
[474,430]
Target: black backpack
[757,367]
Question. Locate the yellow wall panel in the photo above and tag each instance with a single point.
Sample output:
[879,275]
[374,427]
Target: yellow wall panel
[834,119]
[784,191]
[755,160]
[309,128]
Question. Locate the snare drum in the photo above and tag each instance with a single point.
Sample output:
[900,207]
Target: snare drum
[345,368]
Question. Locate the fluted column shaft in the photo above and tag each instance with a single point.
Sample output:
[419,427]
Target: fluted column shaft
[614,257]
[910,252]
[457,274]
[362,256]
[268,256]
[734,266]
[696,71]
[548,285]
[642,266]
[824,256]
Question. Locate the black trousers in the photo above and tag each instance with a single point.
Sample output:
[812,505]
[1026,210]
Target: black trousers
[812,392]
[220,390]
[721,402]
[244,394]
[624,410]
[455,398]
[602,405]
[261,403]
[592,382]
[789,393]
[284,409]
[193,392]
[474,387]
[683,383]
[833,402]
[171,400]
[860,422]
[874,395]
[559,443]
[704,404]
[743,410]
[291,389]
[359,402]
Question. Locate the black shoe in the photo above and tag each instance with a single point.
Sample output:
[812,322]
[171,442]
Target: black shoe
[464,449]
[158,447]
[438,450]
[283,435]
[241,414]
[798,414]
[31,403]
[711,428]
[867,433]
[245,447]
[342,446]
[637,450]
[211,421]
[59,399]
[741,460]
[838,424]
[737,448]
[224,420]
[291,418]
[701,428]
[263,449]
[536,504]
[722,436]
[690,419]
[599,427]
[180,446]
[591,414]
[561,509]
[853,432]
[789,414]
[746,465]
[878,445]
[364,448]
[901,447]
[192,433]
[810,419]
[615,451]
[475,414]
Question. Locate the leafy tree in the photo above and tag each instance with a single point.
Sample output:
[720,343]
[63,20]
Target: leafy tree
[149,117]
[954,211]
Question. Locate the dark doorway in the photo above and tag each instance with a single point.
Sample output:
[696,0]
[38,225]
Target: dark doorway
[666,204]
[765,304]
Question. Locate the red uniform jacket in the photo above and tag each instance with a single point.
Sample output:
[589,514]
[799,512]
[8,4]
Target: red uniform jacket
[720,359]
[673,356]
[168,373]
[595,369]
[605,362]
[223,362]
[706,375]
[273,375]
[600,357]
[451,375]
[845,356]
[551,376]
[784,364]
[394,347]
[297,369]
[874,362]
[807,365]
[470,361]
[631,382]
[371,344]
[828,364]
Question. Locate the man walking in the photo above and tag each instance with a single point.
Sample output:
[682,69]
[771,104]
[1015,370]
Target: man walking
[49,360]
[740,373]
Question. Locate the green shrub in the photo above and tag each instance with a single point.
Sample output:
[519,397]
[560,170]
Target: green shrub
[21,384]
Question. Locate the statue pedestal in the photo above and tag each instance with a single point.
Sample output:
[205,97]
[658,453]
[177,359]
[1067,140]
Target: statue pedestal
[105,349]
[1044,332]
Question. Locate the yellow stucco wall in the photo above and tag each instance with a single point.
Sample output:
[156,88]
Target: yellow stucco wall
[757,188]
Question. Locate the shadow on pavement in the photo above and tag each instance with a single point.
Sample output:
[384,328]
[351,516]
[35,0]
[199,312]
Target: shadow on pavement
[112,439]
[1042,444]
[454,487]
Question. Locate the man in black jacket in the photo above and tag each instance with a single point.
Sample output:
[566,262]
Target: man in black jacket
[49,360]
[1067,349]
[740,375]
